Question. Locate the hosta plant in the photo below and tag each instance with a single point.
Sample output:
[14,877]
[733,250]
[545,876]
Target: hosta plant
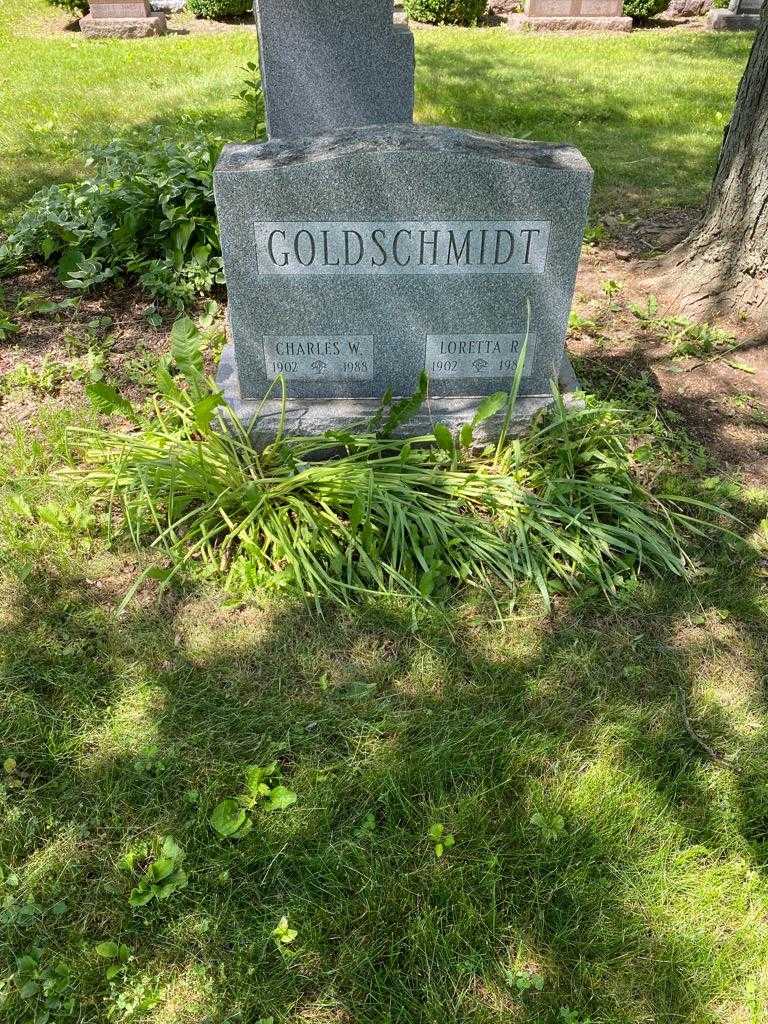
[145,210]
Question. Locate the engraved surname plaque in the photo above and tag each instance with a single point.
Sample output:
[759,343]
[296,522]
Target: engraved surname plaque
[401,247]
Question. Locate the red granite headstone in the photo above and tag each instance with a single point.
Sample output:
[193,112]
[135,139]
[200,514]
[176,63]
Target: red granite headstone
[122,19]
[569,15]
[120,9]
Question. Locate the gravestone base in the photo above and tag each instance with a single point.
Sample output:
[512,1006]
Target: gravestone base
[123,28]
[563,23]
[309,418]
[721,19]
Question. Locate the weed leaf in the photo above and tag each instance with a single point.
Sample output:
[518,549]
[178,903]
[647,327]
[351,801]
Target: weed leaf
[227,818]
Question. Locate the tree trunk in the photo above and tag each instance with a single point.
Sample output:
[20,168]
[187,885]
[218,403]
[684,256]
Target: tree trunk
[724,262]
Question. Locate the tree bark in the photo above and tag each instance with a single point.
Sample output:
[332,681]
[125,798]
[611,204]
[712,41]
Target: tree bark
[724,262]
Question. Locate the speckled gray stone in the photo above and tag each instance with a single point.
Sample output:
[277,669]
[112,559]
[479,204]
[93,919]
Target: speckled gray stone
[328,64]
[312,417]
[739,16]
[356,329]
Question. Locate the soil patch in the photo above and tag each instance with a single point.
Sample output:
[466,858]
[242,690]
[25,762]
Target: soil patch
[723,398]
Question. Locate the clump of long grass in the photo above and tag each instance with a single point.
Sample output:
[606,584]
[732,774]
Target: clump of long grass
[559,507]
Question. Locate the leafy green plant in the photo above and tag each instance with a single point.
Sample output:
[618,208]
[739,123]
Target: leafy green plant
[559,507]
[65,518]
[648,313]
[145,210]
[283,934]
[74,7]
[578,324]
[524,981]
[15,910]
[47,377]
[45,988]
[117,954]
[219,10]
[693,339]
[8,325]
[551,826]
[252,95]
[44,379]
[92,336]
[36,304]
[446,12]
[441,840]
[229,818]
[211,312]
[610,288]
[687,337]
[134,999]
[568,1016]
[162,877]
[595,233]
[641,10]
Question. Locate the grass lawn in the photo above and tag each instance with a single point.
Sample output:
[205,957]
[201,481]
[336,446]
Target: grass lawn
[605,868]
[647,109]
[598,852]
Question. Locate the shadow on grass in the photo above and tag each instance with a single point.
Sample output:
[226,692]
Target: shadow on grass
[648,148]
[643,904]
[637,141]
[735,438]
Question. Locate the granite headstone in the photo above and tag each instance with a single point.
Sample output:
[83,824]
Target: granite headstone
[740,15]
[329,64]
[358,257]
[122,19]
[120,9]
[563,15]
[688,8]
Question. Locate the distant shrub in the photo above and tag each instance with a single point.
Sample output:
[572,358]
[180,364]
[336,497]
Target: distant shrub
[641,10]
[445,12]
[217,10]
[74,7]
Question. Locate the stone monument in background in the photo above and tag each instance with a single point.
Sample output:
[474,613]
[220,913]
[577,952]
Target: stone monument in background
[122,19]
[342,64]
[571,15]
[739,15]
[361,249]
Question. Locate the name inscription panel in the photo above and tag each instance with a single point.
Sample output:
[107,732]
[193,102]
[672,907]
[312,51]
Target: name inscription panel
[476,355]
[323,357]
[401,247]
[346,357]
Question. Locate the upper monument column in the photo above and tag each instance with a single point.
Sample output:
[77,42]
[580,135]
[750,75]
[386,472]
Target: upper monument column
[330,64]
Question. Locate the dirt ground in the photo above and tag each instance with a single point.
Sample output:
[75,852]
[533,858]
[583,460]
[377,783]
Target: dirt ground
[723,397]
